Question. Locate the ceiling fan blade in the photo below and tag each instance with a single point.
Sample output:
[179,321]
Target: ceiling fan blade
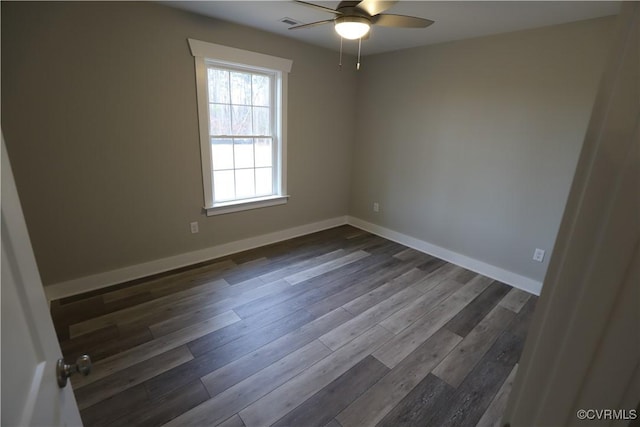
[317,6]
[388,20]
[312,24]
[374,7]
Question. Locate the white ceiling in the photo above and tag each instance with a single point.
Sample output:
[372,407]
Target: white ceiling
[454,20]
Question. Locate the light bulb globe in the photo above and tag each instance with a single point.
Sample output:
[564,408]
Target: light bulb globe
[352,27]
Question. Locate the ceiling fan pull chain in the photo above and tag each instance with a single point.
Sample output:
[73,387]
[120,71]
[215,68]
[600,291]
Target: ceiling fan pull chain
[340,64]
[359,45]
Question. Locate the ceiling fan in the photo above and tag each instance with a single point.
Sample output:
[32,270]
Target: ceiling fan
[354,19]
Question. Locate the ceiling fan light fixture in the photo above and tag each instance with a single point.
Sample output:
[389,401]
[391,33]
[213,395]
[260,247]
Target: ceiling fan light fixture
[352,27]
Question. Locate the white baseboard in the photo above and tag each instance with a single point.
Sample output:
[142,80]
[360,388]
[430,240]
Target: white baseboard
[496,273]
[121,275]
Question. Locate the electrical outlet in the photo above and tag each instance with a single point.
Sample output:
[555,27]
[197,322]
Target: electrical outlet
[538,255]
[376,207]
[194,227]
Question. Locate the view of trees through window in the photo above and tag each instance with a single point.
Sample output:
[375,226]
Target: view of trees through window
[241,132]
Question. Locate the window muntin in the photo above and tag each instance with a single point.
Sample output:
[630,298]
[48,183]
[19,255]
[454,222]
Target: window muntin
[242,131]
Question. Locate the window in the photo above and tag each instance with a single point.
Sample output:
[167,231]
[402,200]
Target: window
[242,115]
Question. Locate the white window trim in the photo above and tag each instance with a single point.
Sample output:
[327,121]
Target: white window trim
[202,51]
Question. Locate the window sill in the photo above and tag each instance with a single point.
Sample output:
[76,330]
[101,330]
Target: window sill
[245,205]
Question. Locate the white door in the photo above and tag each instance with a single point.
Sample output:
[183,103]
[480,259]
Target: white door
[30,350]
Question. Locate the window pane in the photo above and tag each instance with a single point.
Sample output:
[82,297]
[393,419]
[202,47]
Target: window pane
[243,153]
[261,121]
[223,186]
[240,105]
[261,90]
[264,155]
[241,123]
[240,88]
[220,118]
[218,86]
[245,183]
[221,153]
[264,182]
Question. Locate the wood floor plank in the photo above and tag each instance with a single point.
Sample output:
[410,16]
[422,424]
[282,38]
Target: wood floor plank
[215,307]
[407,254]
[355,232]
[365,243]
[320,288]
[457,365]
[160,411]
[473,396]
[179,301]
[369,272]
[444,272]
[246,270]
[76,311]
[136,374]
[417,406]
[234,399]
[417,258]
[234,421]
[136,355]
[109,410]
[247,327]
[173,282]
[322,241]
[104,343]
[520,324]
[369,280]
[353,328]
[88,343]
[222,299]
[404,343]
[515,300]
[477,309]
[385,247]
[218,381]
[312,272]
[276,404]
[407,315]
[375,403]
[203,308]
[320,409]
[209,361]
[463,276]
[270,262]
[332,282]
[368,300]
[290,269]
[492,417]
[431,265]
[132,301]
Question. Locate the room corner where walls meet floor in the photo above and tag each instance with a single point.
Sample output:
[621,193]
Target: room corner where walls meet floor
[126,274]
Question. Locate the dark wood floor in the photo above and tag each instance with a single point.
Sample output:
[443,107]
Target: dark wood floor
[338,328]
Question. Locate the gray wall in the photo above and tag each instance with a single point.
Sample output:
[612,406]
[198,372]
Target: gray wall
[99,116]
[468,145]
[472,145]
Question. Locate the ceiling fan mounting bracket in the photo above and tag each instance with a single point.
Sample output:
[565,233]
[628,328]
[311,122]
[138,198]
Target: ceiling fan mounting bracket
[352,11]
